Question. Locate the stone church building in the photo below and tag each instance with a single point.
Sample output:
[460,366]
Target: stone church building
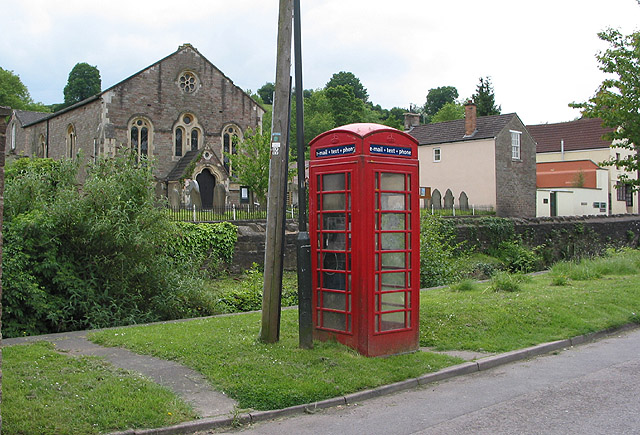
[181,112]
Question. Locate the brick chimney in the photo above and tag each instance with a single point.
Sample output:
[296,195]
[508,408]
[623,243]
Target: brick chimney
[470,118]
[411,120]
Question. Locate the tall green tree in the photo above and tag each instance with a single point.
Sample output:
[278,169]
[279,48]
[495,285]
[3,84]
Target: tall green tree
[266,92]
[251,163]
[617,99]
[449,112]
[84,81]
[348,79]
[344,105]
[437,98]
[485,99]
[14,94]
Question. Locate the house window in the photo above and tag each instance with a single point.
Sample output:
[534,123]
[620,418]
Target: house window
[230,138]
[515,144]
[624,193]
[436,155]
[187,135]
[141,137]
[71,141]
[188,82]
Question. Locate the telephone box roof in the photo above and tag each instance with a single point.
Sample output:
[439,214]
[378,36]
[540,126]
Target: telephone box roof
[364,129]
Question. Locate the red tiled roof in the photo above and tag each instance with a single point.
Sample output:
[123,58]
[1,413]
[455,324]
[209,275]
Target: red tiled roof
[566,174]
[583,134]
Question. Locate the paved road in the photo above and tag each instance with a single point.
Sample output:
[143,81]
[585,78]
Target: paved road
[589,389]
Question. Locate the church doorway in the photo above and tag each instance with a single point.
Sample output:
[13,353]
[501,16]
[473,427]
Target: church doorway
[206,182]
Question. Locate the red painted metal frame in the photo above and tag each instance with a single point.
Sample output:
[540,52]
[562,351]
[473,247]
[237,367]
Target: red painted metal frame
[364,150]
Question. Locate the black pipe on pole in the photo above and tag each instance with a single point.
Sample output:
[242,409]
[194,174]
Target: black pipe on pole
[305,322]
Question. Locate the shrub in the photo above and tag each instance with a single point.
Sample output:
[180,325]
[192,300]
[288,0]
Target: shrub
[437,251]
[515,256]
[247,296]
[464,285]
[478,266]
[507,282]
[91,257]
[203,246]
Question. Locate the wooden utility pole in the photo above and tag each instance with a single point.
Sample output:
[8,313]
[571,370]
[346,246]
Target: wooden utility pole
[276,197]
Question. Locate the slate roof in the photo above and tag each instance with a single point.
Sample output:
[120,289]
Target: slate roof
[453,131]
[178,170]
[583,134]
[564,174]
[26,117]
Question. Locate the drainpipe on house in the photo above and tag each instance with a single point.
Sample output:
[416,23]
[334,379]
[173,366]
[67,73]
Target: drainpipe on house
[562,148]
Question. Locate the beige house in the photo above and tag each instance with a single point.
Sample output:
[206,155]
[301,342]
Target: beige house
[581,140]
[483,162]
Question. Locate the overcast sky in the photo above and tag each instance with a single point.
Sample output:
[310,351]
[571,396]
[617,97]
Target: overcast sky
[540,55]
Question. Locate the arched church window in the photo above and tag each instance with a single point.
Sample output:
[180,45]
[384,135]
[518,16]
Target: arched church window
[179,139]
[13,137]
[42,146]
[141,137]
[230,138]
[71,141]
[187,135]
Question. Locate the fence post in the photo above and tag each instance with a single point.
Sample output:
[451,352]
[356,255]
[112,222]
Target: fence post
[194,213]
[234,212]
[473,210]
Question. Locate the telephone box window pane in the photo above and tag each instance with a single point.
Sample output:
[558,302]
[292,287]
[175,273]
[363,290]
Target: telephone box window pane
[392,241]
[333,320]
[392,221]
[334,301]
[333,201]
[333,280]
[333,222]
[334,261]
[393,301]
[393,260]
[333,241]
[333,182]
[393,281]
[391,181]
[392,201]
[391,321]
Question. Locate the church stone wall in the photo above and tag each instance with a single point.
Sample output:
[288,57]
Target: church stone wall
[156,95]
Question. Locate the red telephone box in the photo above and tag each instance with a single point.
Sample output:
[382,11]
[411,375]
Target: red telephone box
[365,238]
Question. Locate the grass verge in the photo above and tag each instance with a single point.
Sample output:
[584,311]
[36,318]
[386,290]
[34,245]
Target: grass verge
[269,376]
[511,313]
[45,392]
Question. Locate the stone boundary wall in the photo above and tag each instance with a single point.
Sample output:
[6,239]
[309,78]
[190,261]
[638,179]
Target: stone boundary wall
[251,244]
[559,238]
[564,237]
